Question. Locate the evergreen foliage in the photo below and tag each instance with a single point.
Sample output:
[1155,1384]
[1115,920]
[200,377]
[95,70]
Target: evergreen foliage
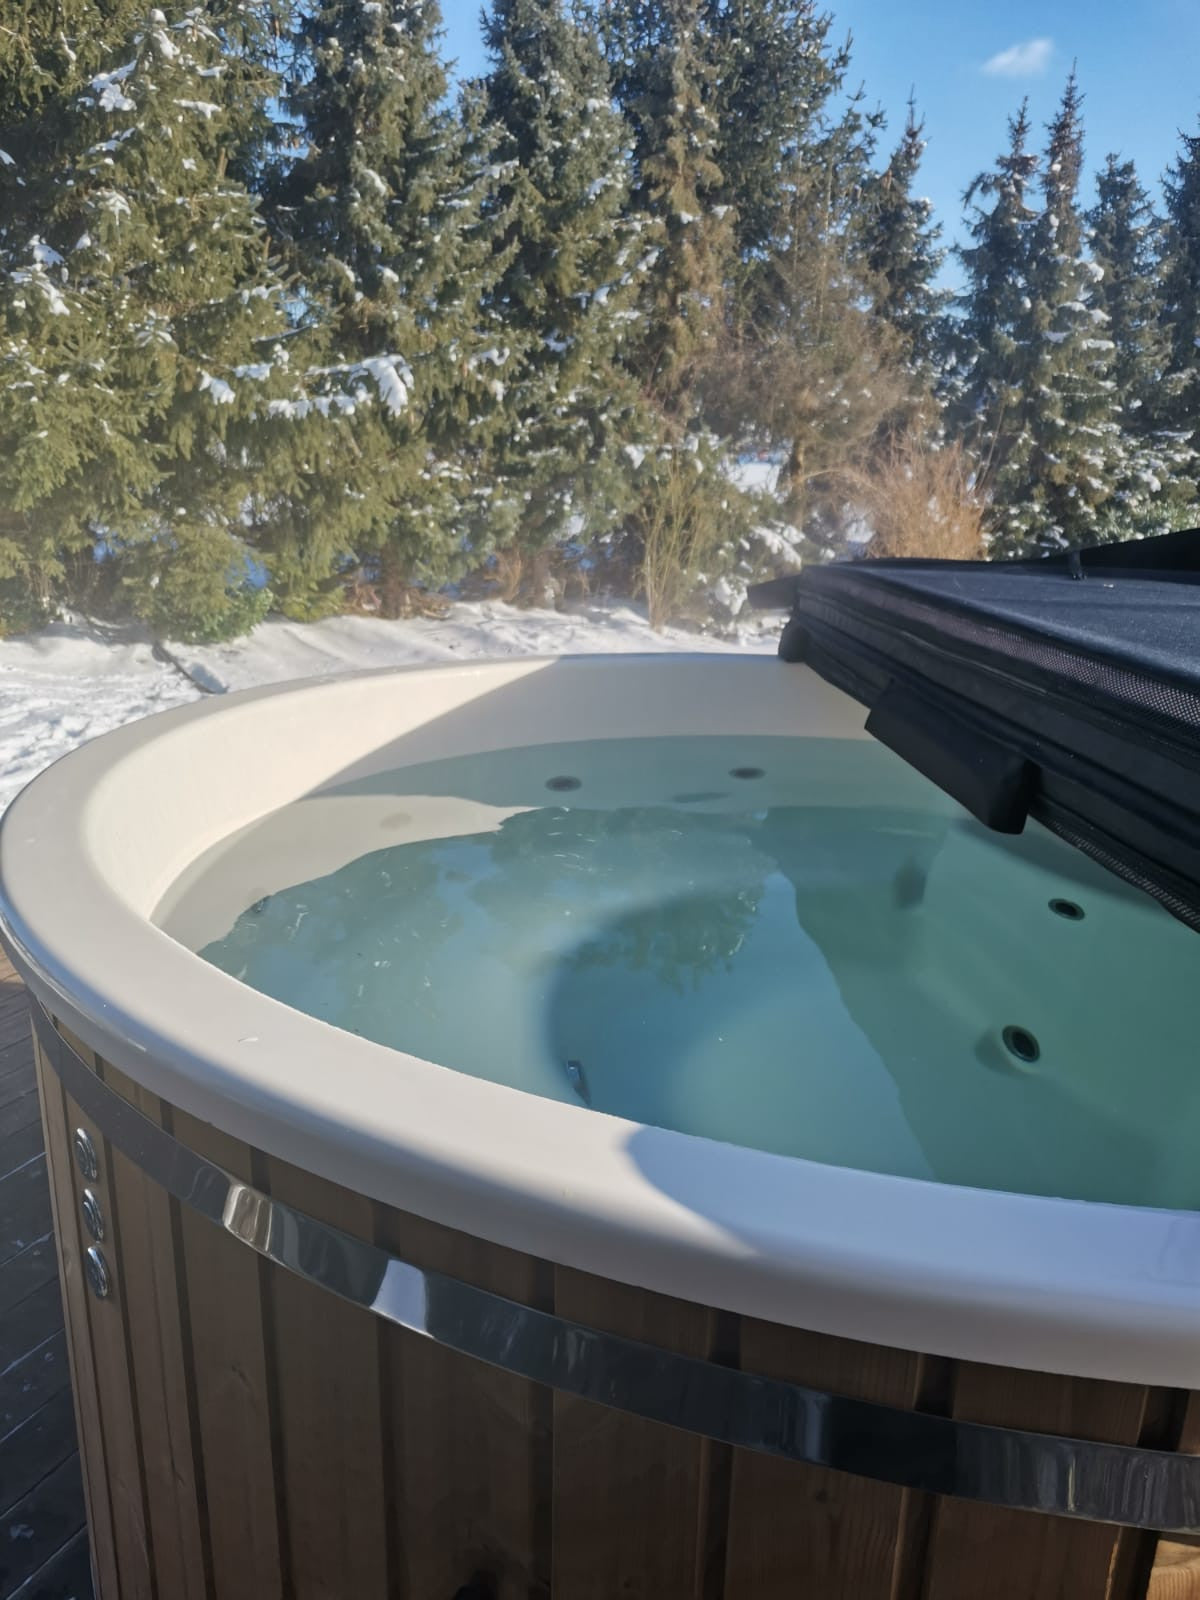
[903,257]
[664,78]
[1181,293]
[144,315]
[287,317]
[383,219]
[1071,410]
[774,78]
[573,259]
[995,332]
[1160,466]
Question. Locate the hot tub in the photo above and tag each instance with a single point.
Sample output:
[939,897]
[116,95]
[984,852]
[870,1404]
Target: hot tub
[348,1322]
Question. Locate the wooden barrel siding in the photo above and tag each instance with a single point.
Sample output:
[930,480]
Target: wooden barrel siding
[248,1436]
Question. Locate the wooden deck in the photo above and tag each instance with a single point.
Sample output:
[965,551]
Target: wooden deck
[43,1540]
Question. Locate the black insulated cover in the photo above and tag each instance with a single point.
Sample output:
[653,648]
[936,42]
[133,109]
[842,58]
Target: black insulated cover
[1065,689]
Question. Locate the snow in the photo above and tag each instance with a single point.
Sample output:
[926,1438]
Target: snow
[755,474]
[206,108]
[76,679]
[45,255]
[219,392]
[36,278]
[6,160]
[109,94]
[67,684]
[393,378]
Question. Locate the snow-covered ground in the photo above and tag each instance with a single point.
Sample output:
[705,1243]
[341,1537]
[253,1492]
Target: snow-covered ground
[74,680]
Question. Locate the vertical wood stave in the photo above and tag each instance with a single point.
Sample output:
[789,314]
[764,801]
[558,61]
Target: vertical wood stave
[1175,1574]
[330,1414]
[470,1445]
[64,1204]
[228,1314]
[107,1322]
[1004,1553]
[149,1270]
[630,1497]
[819,1532]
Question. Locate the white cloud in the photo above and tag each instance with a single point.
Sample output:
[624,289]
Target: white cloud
[1024,60]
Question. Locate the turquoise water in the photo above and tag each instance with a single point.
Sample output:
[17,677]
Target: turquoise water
[795,945]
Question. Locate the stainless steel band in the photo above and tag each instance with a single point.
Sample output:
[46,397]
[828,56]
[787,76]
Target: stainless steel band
[1097,1482]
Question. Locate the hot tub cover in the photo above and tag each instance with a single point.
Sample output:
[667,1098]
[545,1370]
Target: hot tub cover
[1065,689]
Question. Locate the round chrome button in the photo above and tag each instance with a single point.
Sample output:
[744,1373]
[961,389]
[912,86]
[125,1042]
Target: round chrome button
[96,1268]
[85,1155]
[93,1217]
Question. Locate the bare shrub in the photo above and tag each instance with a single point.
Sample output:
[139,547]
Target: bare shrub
[921,500]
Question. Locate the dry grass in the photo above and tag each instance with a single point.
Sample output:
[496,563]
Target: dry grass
[921,501]
[680,531]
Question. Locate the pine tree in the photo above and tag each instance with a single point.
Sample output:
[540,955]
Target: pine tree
[166,314]
[1125,234]
[664,80]
[572,265]
[903,258]
[383,216]
[995,356]
[1181,293]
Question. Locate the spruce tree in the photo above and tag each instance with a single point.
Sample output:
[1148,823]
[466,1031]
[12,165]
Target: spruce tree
[153,266]
[1181,294]
[1127,289]
[820,372]
[1077,455]
[903,257]
[383,216]
[47,56]
[665,81]
[572,263]
[995,335]
[775,80]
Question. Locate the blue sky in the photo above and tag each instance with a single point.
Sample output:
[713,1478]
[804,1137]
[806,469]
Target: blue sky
[970,61]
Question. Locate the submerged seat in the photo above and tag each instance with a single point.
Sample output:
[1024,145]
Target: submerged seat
[1065,689]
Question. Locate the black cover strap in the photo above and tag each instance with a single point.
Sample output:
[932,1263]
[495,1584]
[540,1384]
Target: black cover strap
[991,780]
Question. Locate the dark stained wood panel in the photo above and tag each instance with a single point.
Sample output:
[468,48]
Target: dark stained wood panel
[38,1450]
[29,1382]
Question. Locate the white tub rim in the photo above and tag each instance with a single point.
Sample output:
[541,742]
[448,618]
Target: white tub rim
[1054,1285]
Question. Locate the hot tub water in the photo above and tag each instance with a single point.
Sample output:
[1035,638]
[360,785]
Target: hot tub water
[791,944]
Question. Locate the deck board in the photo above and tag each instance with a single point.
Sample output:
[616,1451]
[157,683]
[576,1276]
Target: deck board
[43,1539]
